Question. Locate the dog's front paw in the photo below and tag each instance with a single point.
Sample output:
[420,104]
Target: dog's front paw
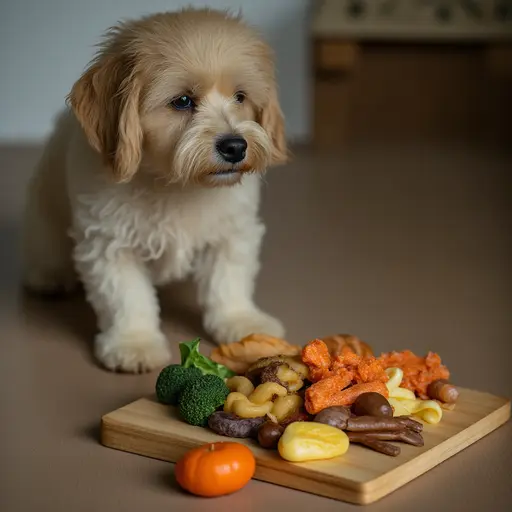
[228,327]
[132,351]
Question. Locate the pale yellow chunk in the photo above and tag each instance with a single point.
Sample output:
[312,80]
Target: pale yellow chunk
[306,441]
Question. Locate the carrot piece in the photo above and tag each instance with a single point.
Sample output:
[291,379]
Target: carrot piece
[318,359]
[316,353]
[317,374]
[319,394]
[320,399]
[346,359]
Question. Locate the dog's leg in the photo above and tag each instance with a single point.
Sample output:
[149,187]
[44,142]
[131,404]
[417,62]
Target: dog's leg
[47,263]
[226,275]
[124,299]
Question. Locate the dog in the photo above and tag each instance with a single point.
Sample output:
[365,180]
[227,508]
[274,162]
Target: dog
[152,174]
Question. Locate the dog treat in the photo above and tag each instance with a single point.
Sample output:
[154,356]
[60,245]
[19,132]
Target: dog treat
[336,416]
[374,423]
[240,355]
[372,404]
[283,374]
[241,405]
[312,404]
[376,445]
[405,402]
[267,392]
[299,415]
[418,372]
[240,385]
[258,403]
[269,434]
[286,406]
[339,417]
[316,356]
[318,399]
[337,342]
[306,441]
[366,369]
[443,391]
[230,425]
[323,394]
[405,436]
[428,410]
[352,366]
[410,423]
[264,369]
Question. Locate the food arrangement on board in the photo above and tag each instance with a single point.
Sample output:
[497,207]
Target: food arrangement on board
[307,403]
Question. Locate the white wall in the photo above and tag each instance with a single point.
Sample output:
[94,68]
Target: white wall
[45,45]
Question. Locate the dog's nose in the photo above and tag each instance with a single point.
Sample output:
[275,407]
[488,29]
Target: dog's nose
[232,148]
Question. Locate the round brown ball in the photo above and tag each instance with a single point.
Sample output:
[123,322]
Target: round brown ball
[372,404]
[269,434]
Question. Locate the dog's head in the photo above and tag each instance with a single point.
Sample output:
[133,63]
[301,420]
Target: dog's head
[190,96]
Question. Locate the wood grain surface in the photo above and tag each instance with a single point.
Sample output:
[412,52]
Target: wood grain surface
[361,476]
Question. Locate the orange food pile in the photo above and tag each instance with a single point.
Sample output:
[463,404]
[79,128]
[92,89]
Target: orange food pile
[419,372]
[340,380]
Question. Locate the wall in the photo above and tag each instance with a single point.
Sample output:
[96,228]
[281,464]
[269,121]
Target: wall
[45,45]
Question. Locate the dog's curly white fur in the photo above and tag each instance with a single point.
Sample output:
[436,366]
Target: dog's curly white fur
[132,190]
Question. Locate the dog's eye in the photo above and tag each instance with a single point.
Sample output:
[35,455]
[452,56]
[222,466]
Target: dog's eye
[239,97]
[183,103]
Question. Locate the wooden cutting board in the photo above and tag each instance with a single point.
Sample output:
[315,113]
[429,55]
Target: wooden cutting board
[361,476]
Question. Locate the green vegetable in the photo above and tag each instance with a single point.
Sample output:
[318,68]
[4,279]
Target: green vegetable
[202,398]
[191,357]
[172,380]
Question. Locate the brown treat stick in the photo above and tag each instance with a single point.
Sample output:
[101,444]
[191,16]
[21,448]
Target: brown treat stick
[443,391]
[374,423]
[410,423]
[406,436]
[374,444]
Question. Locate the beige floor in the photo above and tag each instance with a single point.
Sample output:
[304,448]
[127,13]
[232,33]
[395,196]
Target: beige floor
[405,247]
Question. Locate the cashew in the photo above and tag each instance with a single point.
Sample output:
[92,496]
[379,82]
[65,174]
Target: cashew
[284,406]
[258,403]
[266,392]
[247,409]
[240,385]
[231,399]
[297,365]
[290,377]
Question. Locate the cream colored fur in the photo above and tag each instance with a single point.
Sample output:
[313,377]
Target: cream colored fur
[128,195]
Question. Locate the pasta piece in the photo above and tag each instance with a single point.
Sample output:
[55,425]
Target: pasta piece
[399,408]
[428,410]
[402,394]
[405,402]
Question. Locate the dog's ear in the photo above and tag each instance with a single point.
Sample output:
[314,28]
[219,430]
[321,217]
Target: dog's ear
[105,101]
[272,121]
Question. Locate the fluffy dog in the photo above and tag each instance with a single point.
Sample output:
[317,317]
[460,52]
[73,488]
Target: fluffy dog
[152,174]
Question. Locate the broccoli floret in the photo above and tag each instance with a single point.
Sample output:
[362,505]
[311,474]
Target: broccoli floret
[172,381]
[202,398]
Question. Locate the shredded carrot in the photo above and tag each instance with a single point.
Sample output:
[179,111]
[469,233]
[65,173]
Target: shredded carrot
[319,399]
[419,372]
[370,369]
